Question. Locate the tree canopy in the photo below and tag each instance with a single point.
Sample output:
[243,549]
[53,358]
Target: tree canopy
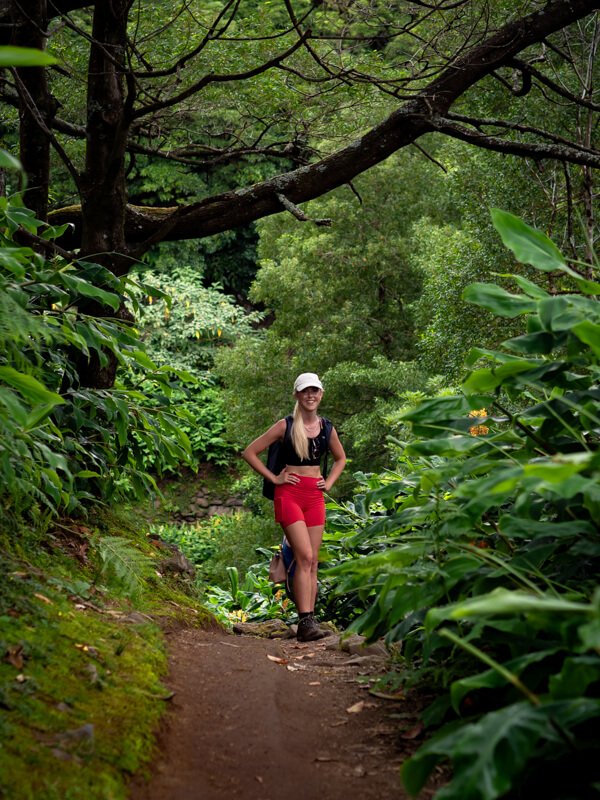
[207,84]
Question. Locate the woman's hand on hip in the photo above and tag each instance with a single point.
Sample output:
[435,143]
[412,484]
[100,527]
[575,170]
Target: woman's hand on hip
[286,477]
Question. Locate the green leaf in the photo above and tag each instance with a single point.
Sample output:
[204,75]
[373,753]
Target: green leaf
[539,343]
[30,387]
[561,313]
[486,755]
[527,286]
[492,679]
[498,300]
[38,415]
[503,601]
[83,287]
[24,57]
[529,245]
[7,161]
[12,403]
[446,446]
[515,527]
[487,379]
[442,409]
[589,333]
[577,673]
[143,360]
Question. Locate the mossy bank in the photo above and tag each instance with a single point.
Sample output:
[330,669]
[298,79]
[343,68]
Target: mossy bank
[82,609]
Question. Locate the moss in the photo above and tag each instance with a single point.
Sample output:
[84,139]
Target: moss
[80,666]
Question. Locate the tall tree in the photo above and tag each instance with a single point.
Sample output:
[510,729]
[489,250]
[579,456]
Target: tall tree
[204,84]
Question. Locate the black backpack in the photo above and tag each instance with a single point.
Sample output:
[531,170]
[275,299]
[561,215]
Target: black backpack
[275,462]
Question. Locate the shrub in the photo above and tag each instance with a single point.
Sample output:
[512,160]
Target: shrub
[483,550]
[63,444]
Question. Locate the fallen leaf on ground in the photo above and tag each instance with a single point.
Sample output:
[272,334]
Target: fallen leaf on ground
[14,656]
[277,659]
[413,732]
[43,598]
[356,708]
[393,696]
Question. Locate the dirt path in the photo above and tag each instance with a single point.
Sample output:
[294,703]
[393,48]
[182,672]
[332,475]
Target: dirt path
[243,726]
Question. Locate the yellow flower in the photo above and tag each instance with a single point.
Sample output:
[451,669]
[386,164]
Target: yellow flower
[478,430]
[482,412]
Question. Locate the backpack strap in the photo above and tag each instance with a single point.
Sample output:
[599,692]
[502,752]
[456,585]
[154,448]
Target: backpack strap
[274,459]
[328,425]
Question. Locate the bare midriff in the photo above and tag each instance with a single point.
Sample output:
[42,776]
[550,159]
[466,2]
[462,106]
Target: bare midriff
[309,472]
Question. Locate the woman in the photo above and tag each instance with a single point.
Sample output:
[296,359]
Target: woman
[299,487]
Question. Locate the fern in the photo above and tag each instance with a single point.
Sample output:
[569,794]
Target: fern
[124,566]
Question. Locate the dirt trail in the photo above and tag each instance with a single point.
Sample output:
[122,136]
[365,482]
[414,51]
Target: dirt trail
[242,726]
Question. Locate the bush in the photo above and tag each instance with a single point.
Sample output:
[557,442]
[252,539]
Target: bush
[480,551]
[63,444]
[220,542]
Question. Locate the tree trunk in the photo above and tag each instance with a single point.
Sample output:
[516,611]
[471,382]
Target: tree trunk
[103,184]
[36,106]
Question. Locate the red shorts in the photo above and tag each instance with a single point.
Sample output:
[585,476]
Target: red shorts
[300,502]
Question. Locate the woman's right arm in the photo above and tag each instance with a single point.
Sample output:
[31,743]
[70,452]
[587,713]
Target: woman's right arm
[258,446]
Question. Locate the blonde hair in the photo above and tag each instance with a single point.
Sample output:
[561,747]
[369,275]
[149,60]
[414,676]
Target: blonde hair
[298,434]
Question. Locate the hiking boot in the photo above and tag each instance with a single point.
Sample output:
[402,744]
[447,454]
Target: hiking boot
[308,630]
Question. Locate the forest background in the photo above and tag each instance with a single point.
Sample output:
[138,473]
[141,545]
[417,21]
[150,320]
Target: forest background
[161,287]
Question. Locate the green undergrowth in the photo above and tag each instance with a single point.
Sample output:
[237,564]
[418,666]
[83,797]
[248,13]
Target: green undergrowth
[83,607]
[215,544]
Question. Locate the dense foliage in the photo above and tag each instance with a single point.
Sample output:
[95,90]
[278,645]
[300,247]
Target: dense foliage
[183,324]
[480,550]
[62,443]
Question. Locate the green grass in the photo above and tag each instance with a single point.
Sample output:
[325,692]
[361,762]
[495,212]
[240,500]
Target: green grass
[81,666]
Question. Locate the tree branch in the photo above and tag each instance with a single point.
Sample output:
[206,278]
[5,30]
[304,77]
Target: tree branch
[424,113]
[537,151]
[298,213]
[213,78]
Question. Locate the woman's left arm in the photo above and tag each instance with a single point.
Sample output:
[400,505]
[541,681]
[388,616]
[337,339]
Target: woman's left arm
[339,461]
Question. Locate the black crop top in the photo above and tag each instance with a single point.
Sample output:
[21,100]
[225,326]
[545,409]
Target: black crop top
[317,448]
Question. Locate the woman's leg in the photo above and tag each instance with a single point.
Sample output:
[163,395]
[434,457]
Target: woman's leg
[315,534]
[300,541]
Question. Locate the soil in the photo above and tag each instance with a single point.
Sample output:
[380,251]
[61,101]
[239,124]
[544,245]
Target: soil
[259,719]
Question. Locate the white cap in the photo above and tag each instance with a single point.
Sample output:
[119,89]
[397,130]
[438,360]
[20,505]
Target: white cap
[305,380]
